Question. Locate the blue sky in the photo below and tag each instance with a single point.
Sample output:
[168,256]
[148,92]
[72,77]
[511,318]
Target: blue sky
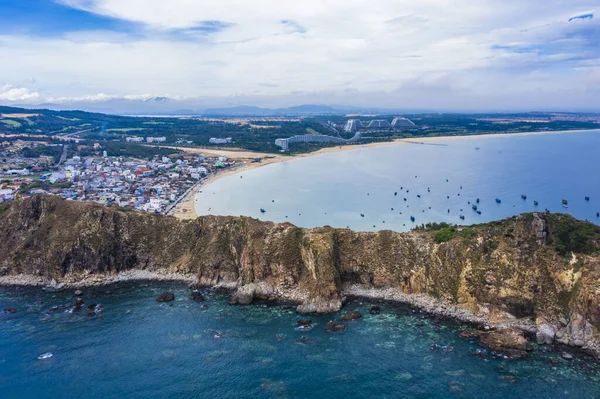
[488,54]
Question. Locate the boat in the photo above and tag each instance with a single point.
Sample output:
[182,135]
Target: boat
[498,200]
[362,215]
[566,206]
[536,203]
[44,356]
[396,193]
[404,199]
[412,218]
[477,200]
[547,211]
[598,214]
[262,210]
[523,196]
[565,202]
[418,196]
[587,198]
[462,217]
[448,210]
[474,207]
[479,212]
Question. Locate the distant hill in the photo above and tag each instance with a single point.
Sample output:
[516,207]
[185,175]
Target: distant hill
[257,111]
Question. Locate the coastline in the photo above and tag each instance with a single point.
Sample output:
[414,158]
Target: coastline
[185,208]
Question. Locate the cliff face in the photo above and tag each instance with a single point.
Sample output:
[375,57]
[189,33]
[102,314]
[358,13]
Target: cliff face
[543,268]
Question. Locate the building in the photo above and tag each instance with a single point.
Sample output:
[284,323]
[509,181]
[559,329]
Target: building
[401,122]
[215,140]
[379,124]
[134,139]
[353,125]
[156,139]
[315,138]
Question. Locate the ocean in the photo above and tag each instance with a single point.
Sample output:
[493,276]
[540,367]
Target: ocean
[138,348]
[437,181]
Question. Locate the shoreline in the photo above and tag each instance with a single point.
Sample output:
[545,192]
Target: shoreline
[185,206]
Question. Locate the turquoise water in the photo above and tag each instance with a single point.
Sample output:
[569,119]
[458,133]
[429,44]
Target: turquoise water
[334,189]
[138,348]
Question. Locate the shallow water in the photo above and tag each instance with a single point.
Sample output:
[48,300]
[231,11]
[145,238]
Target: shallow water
[334,189]
[138,348]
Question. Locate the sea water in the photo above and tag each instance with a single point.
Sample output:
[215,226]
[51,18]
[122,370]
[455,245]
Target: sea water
[138,348]
[439,179]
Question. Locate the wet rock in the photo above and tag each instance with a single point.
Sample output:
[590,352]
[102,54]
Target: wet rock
[351,316]
[78,293]
[78,305]
[197,296]
[10,310]
[508,342]
[554,362]
[470,334]
[331,326]
[566,355]
[545,334]
[304,323]
[375,310]
[92,306]
[91,313]
[203,307]
[165,297]
[442,348]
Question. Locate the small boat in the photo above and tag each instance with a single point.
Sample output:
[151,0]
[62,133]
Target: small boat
[396,193]
[262,210]
[477,200]
[523,196]
[566,206]
[479,212]
[565,202]
[587,198]
[272,200]
[536,203]
[547,211]
[448,210]
[448,197]
[392,209]
[598,214]
[412,218]
[462,217]
[44,356]
[362,215]
[404,199]
[474,207]
[498,200]
[418,196]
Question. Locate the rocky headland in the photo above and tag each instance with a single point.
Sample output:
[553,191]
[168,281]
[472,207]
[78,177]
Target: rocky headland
[534,273]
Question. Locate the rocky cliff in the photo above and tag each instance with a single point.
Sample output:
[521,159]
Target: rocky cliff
[534,270]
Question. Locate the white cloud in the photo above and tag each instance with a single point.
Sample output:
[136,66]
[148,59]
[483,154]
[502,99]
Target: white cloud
[329,46]
[12,94]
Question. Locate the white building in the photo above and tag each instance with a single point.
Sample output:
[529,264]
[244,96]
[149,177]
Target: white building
[215,140]
[134,139]
[156,139]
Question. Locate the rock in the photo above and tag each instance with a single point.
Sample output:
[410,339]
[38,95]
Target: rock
[566,355]
[545,334]
[579,331]
[351,316]
[10,310]
[78,293]
[470,334]
[304,323]
[375,310]
[203,307]
[331,326]
[91,313]
[92,306]
[554,362]
[197,296]
[165,297]
[578,342]
[279,337]
[508,342]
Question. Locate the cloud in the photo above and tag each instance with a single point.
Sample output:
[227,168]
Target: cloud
[274,48]
[12,94]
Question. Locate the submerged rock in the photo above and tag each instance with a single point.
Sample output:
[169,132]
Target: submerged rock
[197,296]
[165,297]
[10,310]
[331,326]
[375,310]
[351,316]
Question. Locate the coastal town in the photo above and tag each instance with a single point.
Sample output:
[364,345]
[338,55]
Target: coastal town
[154,185]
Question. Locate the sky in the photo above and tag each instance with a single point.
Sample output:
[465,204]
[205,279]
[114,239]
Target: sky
[401,54]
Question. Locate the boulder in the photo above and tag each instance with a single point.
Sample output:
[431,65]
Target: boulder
[331,326]
[304,323]
[566,355]
[78,293]
[165,297]
[197,296]
[470,334]
[10,310]
[351,316]
[508,342]
[375,310]
[545,334]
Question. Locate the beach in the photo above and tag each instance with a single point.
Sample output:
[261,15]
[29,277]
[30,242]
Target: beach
[185,209]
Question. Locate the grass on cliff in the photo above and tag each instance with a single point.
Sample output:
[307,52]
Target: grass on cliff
[4,208]
[572,235]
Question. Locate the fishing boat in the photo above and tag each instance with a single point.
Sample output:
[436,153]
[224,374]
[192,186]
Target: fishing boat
[565,202]
[412,219]
[262,210]
[396,193]
[462,217]
[524,196]
[479,212]
[474,207]
[477,200]
[598,214]
[536,203]
[498,200]
[587,198]
[418,196]
[362,215]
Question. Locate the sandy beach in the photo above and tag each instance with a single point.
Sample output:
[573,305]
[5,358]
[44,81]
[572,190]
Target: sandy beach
[185,209]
